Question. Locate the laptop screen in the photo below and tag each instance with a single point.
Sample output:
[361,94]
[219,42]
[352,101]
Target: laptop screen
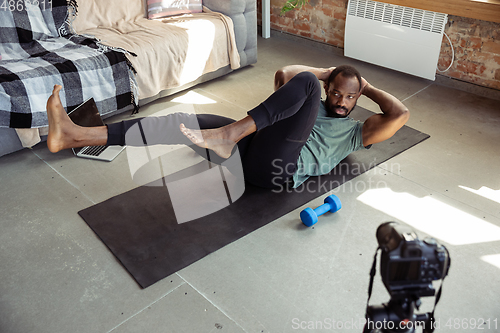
[86,114]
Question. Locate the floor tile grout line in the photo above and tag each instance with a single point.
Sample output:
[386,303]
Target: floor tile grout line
[142,310]
[217,307]
[66,179]
[417,92]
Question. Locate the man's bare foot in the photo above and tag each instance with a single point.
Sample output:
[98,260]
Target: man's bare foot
[217,139]
[59,123]
[63,133]
[221,140]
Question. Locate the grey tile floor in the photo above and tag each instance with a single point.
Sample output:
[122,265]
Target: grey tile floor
[57,276]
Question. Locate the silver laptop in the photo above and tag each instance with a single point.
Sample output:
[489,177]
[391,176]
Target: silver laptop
[87,115]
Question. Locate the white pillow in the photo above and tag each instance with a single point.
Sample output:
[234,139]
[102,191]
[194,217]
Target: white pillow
[165,8]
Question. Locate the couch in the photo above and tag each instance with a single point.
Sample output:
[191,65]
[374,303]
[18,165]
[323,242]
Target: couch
[164,53]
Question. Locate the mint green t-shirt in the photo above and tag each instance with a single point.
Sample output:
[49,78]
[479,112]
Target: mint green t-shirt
[330,141]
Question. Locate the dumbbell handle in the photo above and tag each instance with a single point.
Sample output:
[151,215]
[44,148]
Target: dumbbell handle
[322,209]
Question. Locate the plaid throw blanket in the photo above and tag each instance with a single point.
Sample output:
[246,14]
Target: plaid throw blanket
[38,51]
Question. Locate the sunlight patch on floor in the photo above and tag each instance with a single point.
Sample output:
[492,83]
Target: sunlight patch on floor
[485,192]
[432,216]
[192,97]
[493,259]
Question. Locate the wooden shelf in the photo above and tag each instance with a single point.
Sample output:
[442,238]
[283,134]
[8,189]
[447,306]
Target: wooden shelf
[486,10]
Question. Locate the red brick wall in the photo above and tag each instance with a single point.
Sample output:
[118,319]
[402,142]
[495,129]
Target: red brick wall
[477,51]
[322,20]
[476,42]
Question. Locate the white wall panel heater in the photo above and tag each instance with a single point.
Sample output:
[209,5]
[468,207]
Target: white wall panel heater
[401,38]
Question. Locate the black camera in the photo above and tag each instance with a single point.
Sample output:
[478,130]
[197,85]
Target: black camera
[408,266]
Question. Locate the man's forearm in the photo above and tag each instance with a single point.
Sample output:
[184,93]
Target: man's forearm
[389,105]
[380,127]
[321,73]
[286,73]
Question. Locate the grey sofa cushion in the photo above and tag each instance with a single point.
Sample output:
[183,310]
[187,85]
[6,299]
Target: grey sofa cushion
[244,16]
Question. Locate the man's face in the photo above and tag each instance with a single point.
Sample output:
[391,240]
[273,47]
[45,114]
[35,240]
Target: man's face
[341,96]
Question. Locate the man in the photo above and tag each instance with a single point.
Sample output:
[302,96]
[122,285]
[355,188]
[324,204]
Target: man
[290,136]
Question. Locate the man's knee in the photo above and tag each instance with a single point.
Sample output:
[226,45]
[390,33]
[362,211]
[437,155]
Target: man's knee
[283,76]
[310,82]
[308,77]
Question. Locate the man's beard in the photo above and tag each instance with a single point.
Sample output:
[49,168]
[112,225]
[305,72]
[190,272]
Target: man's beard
[331,111]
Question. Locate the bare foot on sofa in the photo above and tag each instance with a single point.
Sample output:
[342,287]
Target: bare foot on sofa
[221,140]
[63,133]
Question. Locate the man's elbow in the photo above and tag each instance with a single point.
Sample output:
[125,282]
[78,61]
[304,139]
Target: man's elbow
[404,115]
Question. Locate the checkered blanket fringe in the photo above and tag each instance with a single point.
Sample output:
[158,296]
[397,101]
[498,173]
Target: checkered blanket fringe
[39,49]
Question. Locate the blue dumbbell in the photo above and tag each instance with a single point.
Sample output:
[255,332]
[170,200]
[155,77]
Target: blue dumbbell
[309,217]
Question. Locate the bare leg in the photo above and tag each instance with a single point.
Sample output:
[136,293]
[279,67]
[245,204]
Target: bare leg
[221,140]
[63,133]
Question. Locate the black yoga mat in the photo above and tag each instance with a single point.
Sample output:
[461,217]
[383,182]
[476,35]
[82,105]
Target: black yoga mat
[141,230]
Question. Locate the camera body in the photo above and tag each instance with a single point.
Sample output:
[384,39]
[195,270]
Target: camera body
[408,265]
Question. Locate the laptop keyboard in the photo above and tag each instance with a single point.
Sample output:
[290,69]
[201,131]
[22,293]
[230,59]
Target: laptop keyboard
[93,150]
